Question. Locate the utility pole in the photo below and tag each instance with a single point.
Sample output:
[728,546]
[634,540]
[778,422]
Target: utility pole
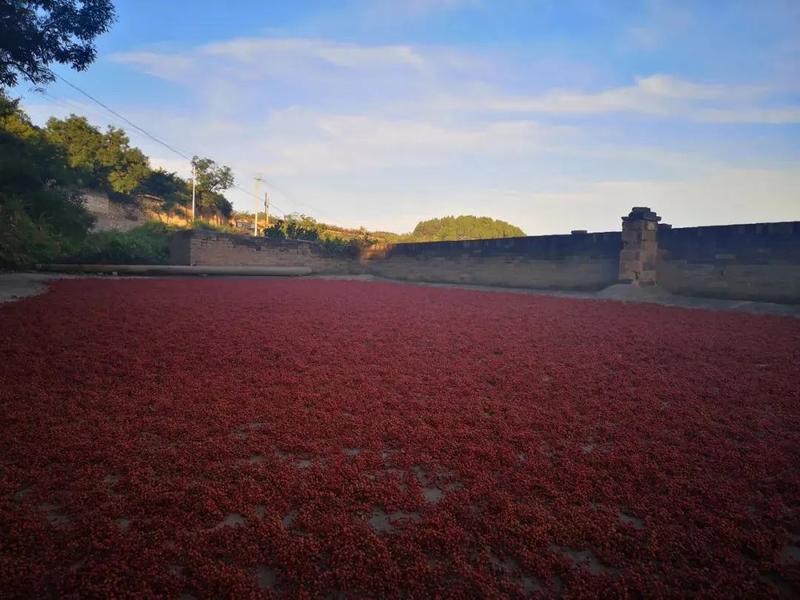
[258,180]
[193,185]
[266,210]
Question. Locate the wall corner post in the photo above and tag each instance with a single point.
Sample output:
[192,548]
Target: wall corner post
[639,253]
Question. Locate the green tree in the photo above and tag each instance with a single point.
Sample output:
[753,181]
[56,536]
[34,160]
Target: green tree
[211,180]
[211,177]
[36,33]
[105,160]
[168,186]
[41,211]
[126,167]
[464,227]
[294,227]
[82,143]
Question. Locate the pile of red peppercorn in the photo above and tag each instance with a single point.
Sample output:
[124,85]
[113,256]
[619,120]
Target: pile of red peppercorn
[309,438]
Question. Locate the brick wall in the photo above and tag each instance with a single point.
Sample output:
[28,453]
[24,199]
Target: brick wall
[209,248]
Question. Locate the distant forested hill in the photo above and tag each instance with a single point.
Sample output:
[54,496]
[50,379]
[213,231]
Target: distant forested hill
[464,227]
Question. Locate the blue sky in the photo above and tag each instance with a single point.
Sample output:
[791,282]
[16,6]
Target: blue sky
[554,115]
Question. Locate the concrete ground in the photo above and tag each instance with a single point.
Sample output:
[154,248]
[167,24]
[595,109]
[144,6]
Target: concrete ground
[620,293]
[17,285]
[14,286]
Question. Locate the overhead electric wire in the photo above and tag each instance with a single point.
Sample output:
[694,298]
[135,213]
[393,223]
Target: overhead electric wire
[124,118]
[160,141]
[68,104]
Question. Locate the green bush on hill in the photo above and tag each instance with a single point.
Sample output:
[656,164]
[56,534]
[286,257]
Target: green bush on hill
[339,239]
[41,214]
[42,173]
[302,227]
[464,227]
[147,244]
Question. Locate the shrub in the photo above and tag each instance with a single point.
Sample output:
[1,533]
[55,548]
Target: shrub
[147,244]
[24,241]
[41,215]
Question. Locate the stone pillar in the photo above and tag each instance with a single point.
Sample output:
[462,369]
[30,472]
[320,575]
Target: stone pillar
[637,259]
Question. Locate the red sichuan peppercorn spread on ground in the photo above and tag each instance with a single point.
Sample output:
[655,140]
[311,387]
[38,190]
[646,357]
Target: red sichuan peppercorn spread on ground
[305,438]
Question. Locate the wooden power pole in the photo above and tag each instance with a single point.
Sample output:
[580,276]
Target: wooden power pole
[259,180]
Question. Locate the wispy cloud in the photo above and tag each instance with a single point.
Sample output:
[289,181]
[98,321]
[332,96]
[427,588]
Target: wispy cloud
[655,95]
[301,141]
[438,78]
[259,58]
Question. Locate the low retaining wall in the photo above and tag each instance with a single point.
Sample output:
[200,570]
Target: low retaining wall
[573,262]
[570,262]
[760,261]
[210,248]
[749,262]
[110,215]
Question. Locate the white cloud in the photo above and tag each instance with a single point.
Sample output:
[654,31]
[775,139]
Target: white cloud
[771,116]
[337,54]
[324,144]
[427,130]
[715,197]
[271,58]
[655,95]
[360,76]
[663,22]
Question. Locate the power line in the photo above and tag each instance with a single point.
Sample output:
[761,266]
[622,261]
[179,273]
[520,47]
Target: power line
[128,121]
[249,193]
[154,138]
[68,104]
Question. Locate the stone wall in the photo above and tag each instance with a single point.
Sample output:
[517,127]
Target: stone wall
[581,261]
[759,261]
[749,262]
[638,258]
[124,216]
[210,248]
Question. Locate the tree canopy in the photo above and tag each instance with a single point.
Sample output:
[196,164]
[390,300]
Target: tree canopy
[294,227]
[40,209]
[36,33]
[211,180]
[464,227]
[105,160]
[44,169]
[168,186]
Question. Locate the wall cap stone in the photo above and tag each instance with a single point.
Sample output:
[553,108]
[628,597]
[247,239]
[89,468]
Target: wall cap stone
[641,213]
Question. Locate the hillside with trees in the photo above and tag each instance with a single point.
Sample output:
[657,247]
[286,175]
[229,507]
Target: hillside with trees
[464,227]
[41,213]
[45,170]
